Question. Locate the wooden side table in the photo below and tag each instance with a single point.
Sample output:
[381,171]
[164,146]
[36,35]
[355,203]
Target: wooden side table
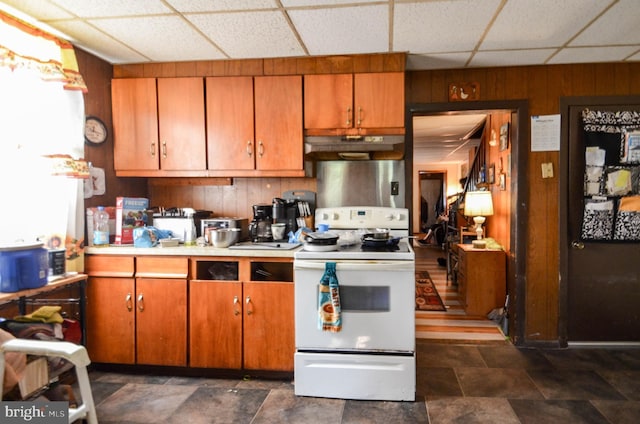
[482,282]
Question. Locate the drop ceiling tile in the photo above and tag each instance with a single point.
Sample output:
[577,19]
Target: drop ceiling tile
[190,6]
[249,34]
[358,29]
[38,9]
[160,38]
[437,61]
[542,23]
[618,25]
[635,57]
[593,54]
[440,26]
[510,57]
[102,8]
[99,43]
[295,3]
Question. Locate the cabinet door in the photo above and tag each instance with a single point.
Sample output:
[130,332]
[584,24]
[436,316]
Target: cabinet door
[111,320]
[215,324]
[135,124]
[181,124]
[269,339]
[278,123]
[379,100]
[161,321]
[230,142]
[328,101]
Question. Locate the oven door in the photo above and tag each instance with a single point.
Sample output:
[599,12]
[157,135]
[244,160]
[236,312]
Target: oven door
[377,303]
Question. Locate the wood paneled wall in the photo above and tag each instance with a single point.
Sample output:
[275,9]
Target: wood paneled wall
[542,86]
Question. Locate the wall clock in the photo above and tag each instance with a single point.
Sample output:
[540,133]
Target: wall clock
[95,131]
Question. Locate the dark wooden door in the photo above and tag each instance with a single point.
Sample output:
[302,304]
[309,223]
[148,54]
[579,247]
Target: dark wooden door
[600,279]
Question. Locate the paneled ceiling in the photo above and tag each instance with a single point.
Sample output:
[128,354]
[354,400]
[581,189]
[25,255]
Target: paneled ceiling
[436,34]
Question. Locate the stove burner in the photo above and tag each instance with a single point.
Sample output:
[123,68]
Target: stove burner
[390,245]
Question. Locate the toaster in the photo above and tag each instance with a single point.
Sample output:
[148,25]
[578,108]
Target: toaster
[225,222]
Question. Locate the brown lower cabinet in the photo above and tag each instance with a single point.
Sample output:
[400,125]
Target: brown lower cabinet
[241,313]
[137,320]
[202,312]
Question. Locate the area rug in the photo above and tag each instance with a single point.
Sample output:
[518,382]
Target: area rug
[427,297]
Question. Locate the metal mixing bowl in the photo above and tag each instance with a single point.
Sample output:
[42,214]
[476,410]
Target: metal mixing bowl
[224,237]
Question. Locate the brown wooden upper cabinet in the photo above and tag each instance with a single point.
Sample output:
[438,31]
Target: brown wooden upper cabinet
[159,125]
[254,125]
[347,102]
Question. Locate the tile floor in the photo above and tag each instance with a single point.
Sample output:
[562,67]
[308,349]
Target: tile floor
[455,384]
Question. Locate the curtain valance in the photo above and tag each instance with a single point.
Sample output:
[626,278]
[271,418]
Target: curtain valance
[25,47]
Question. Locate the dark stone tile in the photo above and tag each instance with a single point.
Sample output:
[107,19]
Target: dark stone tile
[255,383]
[369,412]
[513,357]
[580,359]
[143,403]
[203,382]
[497,383]
[283,406]
[437,382]
[626,382]
[101,391]
[219,405]
[556,411]
[619,412]
[573,385]
[470,411]
[130,378]
[625,359]
[448,356]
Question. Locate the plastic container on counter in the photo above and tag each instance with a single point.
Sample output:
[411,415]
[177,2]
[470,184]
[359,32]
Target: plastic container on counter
[23,266]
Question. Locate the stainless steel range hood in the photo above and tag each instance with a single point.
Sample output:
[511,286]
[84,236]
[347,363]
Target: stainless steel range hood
[376,147]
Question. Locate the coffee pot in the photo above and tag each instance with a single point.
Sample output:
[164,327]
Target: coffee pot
[285,212]
[260,225]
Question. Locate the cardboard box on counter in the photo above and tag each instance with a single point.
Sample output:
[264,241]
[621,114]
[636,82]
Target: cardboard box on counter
[130,213]
[111,210]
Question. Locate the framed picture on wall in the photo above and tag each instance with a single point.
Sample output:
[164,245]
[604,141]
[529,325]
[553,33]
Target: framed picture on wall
[504,137]
[492,174]
[503,181]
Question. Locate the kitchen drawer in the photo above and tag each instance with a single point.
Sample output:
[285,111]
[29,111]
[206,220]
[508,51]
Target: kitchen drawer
[162,266]
[109,266]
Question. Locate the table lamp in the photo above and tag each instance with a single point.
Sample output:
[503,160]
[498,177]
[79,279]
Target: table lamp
[478,204]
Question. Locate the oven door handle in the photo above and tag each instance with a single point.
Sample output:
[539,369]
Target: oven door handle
[356,265]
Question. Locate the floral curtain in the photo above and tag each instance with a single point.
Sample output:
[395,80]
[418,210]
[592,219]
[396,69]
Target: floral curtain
[41,120]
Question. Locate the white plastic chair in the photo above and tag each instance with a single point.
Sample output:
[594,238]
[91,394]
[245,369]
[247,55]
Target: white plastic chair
[76,354]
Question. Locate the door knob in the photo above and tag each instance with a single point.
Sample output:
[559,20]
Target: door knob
[577,245]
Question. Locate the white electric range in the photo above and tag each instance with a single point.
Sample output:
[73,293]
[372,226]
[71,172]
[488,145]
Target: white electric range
[373,355]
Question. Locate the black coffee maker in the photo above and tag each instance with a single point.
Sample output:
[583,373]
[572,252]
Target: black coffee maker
[286,211]
[260,226]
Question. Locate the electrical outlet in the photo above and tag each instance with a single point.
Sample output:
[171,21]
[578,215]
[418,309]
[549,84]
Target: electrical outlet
[395,188]
[547,170]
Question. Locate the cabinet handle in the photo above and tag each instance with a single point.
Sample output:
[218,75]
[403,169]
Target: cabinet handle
[128,302]
[164,149]
[249,148]
[349,116]
[152,149]
[260,148]
[249,306]
[236,302]
[141,302]
[359,116]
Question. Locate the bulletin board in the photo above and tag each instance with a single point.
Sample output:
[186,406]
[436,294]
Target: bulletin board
[612,176]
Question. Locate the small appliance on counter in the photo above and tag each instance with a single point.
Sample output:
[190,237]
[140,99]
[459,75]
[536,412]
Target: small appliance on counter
[177,221]
[285,211]
[227,222]
[260,226]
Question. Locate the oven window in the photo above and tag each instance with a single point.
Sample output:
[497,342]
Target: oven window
[364,299]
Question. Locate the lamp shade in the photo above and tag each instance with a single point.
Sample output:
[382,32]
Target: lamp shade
[478,203]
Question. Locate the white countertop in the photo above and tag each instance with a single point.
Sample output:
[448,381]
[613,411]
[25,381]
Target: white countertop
[190,251]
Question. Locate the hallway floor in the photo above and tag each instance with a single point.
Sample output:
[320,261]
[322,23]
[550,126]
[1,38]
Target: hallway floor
[455,383]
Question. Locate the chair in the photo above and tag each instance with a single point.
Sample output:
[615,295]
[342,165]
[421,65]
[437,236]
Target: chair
[76,354]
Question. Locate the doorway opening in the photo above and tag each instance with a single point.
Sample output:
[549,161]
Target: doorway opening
[514,208]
